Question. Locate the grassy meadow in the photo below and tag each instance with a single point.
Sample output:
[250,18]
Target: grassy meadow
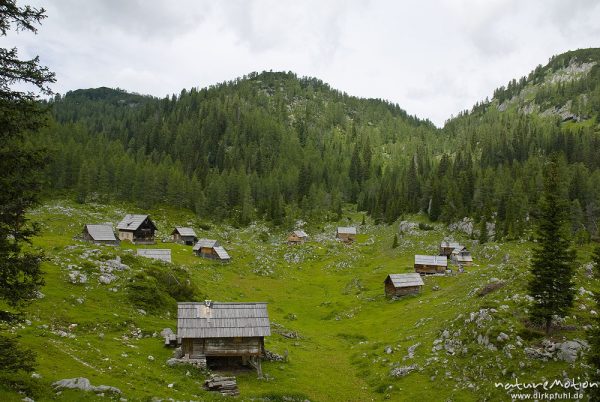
[328,295]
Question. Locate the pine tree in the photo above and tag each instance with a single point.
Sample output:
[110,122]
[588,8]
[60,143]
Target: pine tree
[594,337]
[551,283]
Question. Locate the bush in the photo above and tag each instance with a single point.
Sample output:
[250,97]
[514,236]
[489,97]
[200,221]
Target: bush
[13,357]
[424,226]
[160,288]
[205,226]
[144,292]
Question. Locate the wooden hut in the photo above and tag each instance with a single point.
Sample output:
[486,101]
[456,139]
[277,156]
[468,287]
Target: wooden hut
[100,234]
[346,234]
[446,248]
[155,253]
[297,237]
[403,284]
[431,264]
[223,333]
[461,256]
[138,229]
[185,236]
[208,248]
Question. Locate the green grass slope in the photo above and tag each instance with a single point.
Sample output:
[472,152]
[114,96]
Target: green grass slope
[329,295]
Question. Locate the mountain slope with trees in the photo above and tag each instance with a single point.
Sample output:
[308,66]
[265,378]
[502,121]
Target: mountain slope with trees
[279,147]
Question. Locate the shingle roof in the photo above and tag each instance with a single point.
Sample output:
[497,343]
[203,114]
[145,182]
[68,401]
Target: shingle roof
[346,230]
[222,320]
[440,260]
[300,233]
[446,244]
[155,253]
[222,253]
[205,243]
[185,231]
[131,222]
[101,232]
[406,280]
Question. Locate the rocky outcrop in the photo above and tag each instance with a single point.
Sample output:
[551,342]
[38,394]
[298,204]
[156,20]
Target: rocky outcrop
[83,384]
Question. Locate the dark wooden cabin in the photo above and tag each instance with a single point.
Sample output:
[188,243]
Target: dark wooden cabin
[223,334]
[297,237]
[346,234]
[446,248]
[185,236]
[208,248]
[138,229]
[100,234]
[461,256]
[431,264]
[403,284]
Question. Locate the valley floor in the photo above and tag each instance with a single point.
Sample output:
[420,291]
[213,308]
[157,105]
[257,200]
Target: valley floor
[328,295]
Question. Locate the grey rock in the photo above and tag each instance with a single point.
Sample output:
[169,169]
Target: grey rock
[402,371]
[178,353]
[569,351]
[388,350]
[502,337]
[165,332]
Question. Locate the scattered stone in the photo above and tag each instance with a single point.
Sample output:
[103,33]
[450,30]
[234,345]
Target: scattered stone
[106,279]
[502,337]
[273,357]
[402,371]
[36,376]
[411,350]
[77,277]
[435,288]
[151,358]
[224,385]
[178,353]
[388,350]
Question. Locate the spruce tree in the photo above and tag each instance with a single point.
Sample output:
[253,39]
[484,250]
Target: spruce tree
[553,259]
[20,163]
[594,337]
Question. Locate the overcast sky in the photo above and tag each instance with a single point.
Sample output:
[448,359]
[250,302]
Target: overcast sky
[433,58]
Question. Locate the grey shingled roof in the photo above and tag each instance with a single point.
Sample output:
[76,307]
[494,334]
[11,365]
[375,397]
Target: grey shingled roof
[185,231]
[131,222]
[446,244]
[101,232]
[222,320]
[222,253]
[205,243]
[440,260]
[347,230]
[155,253]
[300,233]
[406,280]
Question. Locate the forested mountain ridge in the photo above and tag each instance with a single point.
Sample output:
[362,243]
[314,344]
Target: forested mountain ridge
[241,149]
[278,147]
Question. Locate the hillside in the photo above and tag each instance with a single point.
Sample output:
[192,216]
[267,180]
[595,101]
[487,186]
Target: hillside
[343,338]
